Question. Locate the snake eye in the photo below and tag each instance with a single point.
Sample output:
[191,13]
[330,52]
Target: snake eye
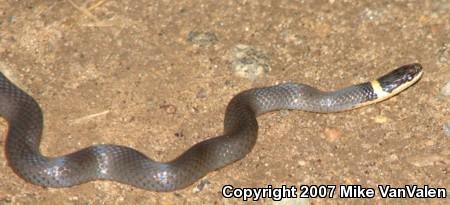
[409,77]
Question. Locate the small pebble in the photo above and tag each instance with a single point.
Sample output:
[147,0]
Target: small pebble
[446,90]
[179,134]
[203,184]
[332,134]
[443,54]
[12,19]
[202,93]
[447,129]
[170,109]
[301,162]
[73,198]
[202,38]
[393,157]
[381,119]
[248,62]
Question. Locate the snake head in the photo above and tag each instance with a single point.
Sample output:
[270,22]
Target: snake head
[400,78]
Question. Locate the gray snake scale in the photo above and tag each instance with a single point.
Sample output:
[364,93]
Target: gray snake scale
[126,165]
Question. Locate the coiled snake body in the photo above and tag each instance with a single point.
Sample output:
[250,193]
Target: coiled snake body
[126,165]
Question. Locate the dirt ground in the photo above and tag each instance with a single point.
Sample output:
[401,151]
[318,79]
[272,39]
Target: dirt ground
[129,73]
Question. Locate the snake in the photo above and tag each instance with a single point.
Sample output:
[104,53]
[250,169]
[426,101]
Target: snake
[126,165]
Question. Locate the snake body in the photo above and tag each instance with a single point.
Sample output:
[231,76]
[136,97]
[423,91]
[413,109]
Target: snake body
[129,166]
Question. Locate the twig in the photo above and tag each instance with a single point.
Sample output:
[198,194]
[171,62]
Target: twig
[88,117]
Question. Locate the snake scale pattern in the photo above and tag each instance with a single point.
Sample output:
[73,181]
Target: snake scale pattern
[129,166]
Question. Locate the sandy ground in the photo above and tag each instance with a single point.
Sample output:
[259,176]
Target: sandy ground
[129,73]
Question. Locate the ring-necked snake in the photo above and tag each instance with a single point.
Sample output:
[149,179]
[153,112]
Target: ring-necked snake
[126,165]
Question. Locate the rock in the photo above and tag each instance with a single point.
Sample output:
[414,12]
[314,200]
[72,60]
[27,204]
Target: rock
[446,90]
[446,128]
[202,38]
[248,62]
